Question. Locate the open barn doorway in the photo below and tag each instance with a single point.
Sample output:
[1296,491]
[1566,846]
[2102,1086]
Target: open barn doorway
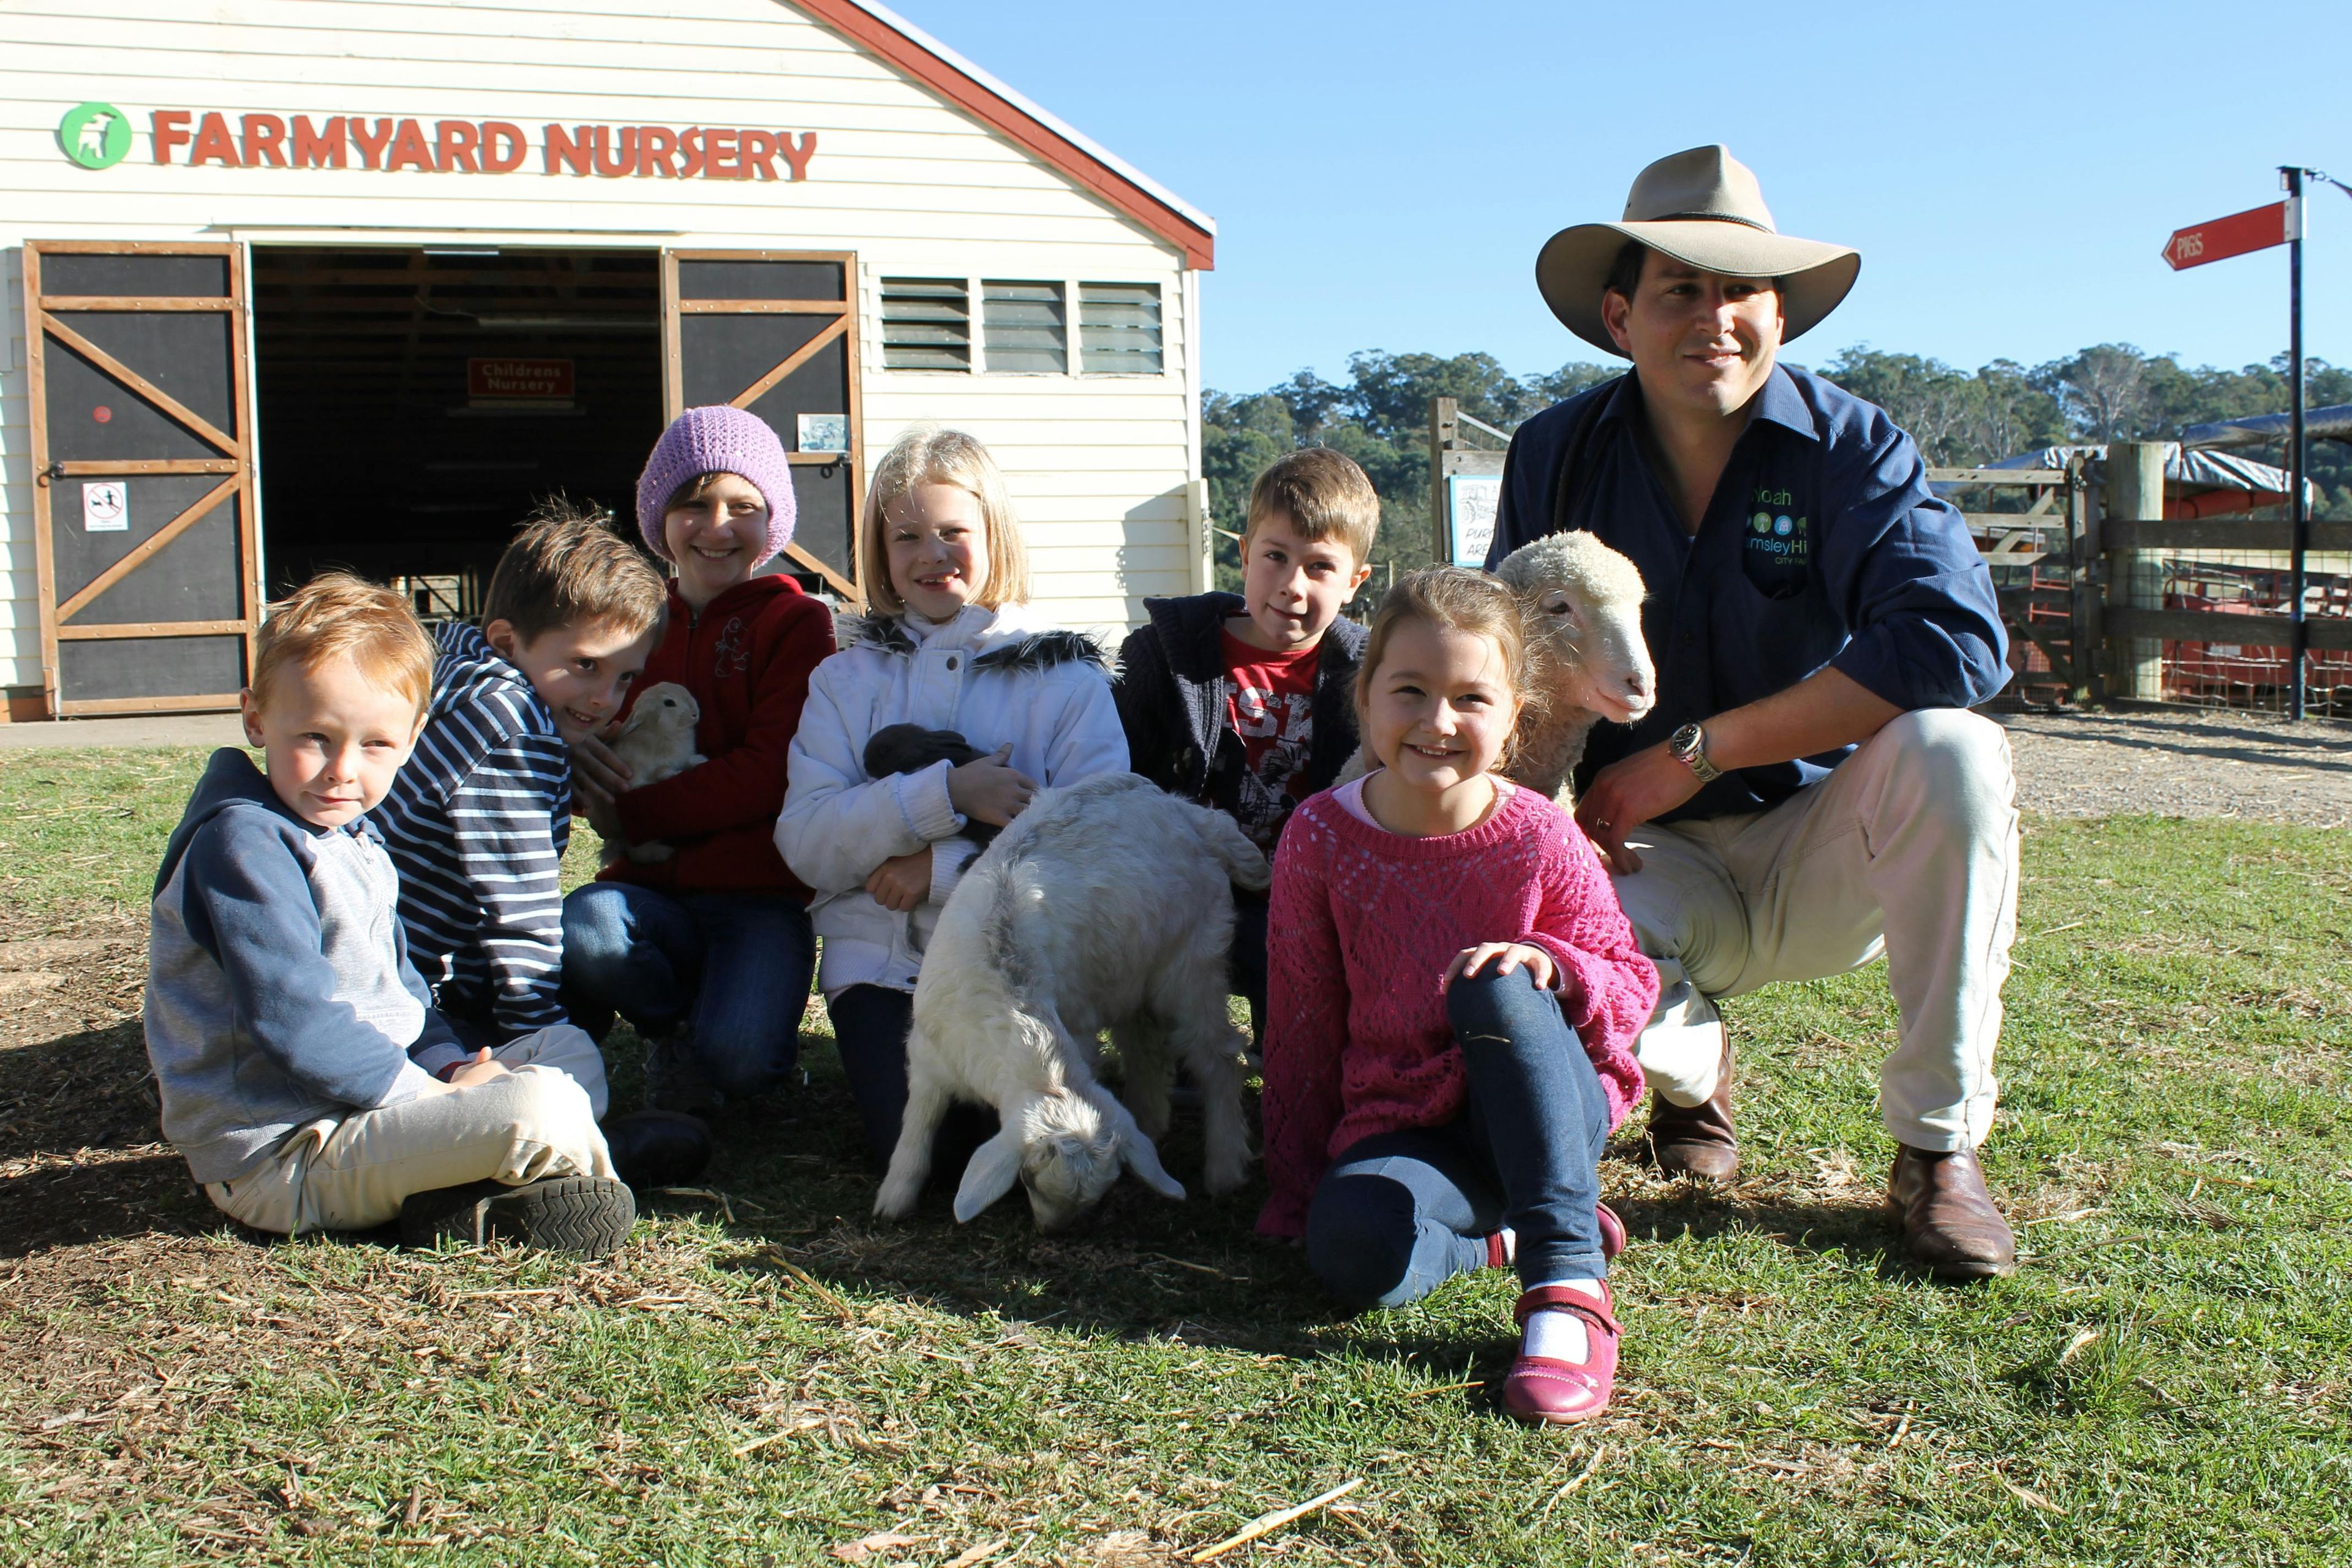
[415,404]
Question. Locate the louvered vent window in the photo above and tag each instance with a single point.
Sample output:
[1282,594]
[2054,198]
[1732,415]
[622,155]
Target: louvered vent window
[925,323]
[1027,326]
[1118,329]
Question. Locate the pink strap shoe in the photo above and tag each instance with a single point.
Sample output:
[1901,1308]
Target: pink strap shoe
[1551,1392]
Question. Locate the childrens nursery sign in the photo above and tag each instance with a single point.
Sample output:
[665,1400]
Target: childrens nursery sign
[98,136]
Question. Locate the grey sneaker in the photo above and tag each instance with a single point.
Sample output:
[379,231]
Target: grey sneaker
[587,1214]
[672,1081]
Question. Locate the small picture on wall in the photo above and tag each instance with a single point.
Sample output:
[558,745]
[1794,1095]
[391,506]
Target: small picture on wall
[824,433]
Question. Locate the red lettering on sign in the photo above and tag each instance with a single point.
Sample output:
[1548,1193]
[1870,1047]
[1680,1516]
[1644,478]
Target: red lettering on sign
[570,151]
[534,378]
[502,146]
[409,149]
[265,142]
[721,166]
[623,163]
[656,146]
[371,147]
[497,146]
[213,143]
[758,152]
[315,149]
[168,132]
[797,157]
[454,142]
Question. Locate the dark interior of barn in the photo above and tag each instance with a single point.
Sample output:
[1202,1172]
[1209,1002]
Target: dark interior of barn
[415,405]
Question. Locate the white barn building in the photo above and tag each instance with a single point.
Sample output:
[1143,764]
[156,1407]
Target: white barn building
[300,283]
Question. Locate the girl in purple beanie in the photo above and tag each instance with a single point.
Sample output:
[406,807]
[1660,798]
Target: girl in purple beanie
[707,951]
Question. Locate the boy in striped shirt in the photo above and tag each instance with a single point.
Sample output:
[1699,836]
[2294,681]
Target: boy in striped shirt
[479,820]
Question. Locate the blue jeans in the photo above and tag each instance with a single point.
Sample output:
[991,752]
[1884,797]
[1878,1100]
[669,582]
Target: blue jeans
[733,966]
[1398,1214]
[869,1029]
[1246,961]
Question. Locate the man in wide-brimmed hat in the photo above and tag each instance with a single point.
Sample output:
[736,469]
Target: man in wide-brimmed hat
[1811,789]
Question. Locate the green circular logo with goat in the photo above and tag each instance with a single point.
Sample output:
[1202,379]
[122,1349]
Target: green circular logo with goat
[95,135]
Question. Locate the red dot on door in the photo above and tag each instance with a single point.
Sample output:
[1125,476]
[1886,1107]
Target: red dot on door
[101,413]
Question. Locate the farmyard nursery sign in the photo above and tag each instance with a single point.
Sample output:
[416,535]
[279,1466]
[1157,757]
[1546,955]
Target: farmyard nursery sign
[100,135]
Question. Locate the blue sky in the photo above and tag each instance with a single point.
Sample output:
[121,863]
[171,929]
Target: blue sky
[1382,174]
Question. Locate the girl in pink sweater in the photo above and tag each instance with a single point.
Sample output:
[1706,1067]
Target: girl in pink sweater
[1453,995]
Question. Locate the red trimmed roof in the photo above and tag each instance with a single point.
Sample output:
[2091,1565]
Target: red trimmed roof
[883,34]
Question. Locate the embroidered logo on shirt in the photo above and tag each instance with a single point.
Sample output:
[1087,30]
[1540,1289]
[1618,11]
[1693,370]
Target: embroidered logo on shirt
[732,653]
[1777,546]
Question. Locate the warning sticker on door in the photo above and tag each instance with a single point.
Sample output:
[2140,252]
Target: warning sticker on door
[106,508]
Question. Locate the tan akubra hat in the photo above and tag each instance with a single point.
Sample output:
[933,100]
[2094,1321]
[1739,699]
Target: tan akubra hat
[1704,208]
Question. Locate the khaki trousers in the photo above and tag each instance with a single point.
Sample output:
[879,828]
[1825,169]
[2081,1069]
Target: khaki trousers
[1908,848]
[352,1173]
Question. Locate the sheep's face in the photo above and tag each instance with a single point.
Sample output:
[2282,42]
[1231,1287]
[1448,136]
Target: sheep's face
[1585,600]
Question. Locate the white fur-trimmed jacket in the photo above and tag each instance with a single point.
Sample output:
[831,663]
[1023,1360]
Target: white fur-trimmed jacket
[993,676]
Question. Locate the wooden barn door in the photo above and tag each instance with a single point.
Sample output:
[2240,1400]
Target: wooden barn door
[775,331]
[143,460]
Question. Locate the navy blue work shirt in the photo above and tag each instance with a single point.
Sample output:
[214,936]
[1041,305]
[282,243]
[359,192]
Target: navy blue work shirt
[1823,545]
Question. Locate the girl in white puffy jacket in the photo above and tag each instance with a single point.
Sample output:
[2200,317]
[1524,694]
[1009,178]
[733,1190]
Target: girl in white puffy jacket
[949,645]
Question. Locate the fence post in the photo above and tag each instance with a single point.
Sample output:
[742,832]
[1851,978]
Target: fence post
[1445,429]
[2136,494]
[2085,571]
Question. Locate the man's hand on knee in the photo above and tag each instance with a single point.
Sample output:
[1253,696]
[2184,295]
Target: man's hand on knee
[1627,793]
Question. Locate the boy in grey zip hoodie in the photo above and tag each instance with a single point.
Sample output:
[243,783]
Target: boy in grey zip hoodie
[304,1075]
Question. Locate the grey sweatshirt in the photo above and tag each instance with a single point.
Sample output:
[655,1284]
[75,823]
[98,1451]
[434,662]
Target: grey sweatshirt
[279,985]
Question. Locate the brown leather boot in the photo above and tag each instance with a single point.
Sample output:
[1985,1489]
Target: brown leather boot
[1948,1219]
[1695,1140]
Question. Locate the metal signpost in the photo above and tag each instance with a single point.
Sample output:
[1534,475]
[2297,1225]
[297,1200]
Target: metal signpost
[2281,223]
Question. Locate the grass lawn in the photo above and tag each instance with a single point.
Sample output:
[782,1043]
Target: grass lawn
[766,1375]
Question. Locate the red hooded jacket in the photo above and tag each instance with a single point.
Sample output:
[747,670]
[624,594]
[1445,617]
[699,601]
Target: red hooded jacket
[746,658]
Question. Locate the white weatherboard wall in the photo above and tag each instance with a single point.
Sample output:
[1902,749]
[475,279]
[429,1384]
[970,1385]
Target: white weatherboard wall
[1098,465]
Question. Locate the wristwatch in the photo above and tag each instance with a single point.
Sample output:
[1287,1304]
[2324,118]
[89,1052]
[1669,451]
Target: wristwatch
[1688,746]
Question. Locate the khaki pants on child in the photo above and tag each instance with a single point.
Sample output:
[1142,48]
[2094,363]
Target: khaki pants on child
[1908,848]
[352,1173]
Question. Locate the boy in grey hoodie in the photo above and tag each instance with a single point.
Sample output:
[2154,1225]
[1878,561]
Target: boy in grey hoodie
[304,1075]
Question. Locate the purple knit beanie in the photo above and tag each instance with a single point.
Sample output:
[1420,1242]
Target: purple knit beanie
[718,440]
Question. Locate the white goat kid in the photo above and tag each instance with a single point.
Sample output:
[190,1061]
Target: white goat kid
[657,741]
[1584,602]
[1106,904]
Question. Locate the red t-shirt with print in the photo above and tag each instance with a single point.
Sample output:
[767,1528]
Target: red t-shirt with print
[1270,704]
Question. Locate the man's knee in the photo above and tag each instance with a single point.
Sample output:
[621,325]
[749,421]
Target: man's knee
[1949,750]
[1360,1238]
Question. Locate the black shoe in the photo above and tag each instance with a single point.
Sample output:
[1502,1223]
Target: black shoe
[672,1081]
[658,1148]
[587,1214]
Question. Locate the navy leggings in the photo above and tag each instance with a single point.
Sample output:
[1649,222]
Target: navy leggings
[869,1029]
[1398,1214]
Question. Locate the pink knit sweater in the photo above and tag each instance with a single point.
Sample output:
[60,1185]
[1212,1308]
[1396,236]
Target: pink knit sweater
[1363,925]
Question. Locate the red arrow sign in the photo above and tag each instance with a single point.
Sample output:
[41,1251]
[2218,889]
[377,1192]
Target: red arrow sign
[2258,229]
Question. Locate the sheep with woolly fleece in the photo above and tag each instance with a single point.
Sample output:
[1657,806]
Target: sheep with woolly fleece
[657,741]
[1106,904]
[1582,602]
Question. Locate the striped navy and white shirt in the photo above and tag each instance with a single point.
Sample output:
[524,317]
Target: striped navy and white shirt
[478,823]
